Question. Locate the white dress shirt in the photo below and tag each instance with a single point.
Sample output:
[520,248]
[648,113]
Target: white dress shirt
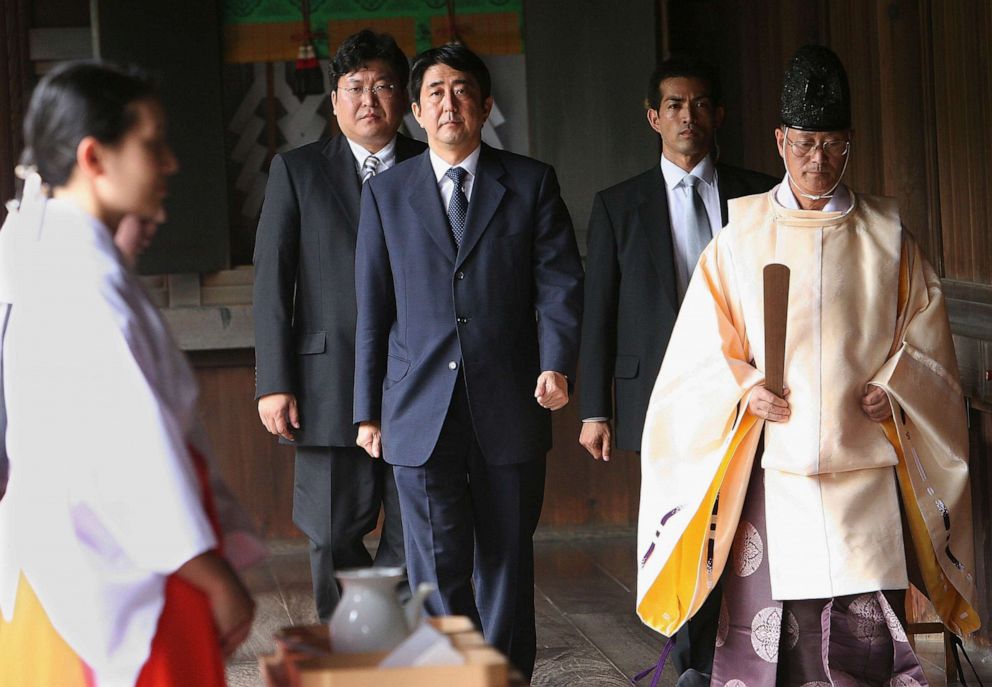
[679,201]
[445,185]
[386,156]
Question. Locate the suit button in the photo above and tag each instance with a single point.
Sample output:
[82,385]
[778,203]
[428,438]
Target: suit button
[452,365]
[460,275]
[461,320]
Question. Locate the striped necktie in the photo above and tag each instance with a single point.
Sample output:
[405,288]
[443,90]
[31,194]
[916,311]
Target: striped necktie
[458,206]
[369,168]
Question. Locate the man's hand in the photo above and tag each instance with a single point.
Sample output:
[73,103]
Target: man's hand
[278,413]
[552,390]
[597,439]
[765,404]
[370,438]
[875,404]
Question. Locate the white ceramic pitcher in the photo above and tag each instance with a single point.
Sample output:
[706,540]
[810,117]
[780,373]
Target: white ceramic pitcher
[369,616]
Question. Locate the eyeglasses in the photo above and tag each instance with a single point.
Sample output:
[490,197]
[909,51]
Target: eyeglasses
[383,91]
[830,148]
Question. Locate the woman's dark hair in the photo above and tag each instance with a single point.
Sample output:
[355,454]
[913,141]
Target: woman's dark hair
[75,100]
[361,48]
[456,56]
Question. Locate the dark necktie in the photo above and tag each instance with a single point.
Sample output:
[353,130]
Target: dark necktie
[458,206]
[369,168]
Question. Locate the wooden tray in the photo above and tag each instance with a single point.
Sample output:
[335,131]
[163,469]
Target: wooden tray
[303,658]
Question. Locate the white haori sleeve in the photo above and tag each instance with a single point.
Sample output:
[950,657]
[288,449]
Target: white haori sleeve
[97,399]
[141,483]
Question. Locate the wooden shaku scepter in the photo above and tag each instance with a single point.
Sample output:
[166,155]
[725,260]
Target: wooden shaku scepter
[776,314]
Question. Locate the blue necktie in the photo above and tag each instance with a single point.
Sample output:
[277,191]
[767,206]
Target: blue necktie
[458,206]
[697,221]
[698,231]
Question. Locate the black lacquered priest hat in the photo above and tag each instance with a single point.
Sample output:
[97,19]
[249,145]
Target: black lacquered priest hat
[815,92]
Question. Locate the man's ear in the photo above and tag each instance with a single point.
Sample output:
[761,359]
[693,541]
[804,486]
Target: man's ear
[718,115]
[334,102]
[487,107]
[654,120]
[780,142]
[415,109]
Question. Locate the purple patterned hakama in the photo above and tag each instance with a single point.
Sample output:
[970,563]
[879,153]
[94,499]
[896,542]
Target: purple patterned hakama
[847,641]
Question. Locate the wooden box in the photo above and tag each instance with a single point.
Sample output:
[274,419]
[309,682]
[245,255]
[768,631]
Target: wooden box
[303,659]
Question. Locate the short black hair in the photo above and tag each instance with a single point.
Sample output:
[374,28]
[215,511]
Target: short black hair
[456,56]
[360,48]
[75,100]
[686,67]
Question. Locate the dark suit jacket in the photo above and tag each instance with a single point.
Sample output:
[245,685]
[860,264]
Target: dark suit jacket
[304,295]
[502,308]
[630,295]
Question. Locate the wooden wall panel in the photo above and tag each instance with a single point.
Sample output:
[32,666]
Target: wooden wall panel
[883,45]
[852,32]
[582,491]
[258,470]
[962,77]
[906,126]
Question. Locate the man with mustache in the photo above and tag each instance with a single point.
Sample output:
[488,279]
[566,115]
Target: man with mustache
[305,312]
[645,236]
[469,290]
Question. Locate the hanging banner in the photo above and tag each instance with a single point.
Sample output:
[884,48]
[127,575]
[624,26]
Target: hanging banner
[270,30]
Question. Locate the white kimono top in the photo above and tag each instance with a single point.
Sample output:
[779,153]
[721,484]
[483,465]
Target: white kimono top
[864,309]
[103,501]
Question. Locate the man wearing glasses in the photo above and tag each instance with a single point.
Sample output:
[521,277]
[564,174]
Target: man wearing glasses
[304,309]
[805,504]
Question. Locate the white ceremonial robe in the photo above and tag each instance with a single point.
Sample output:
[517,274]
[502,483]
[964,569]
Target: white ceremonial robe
[864,309]
[103,501]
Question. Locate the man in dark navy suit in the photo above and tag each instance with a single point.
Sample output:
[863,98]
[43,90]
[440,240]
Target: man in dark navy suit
[304,309]
[645,236]
[469,290]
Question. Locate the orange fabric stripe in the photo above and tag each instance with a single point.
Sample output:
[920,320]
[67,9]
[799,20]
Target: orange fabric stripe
[943,595]
[675,594]
[185,650]
[32,652]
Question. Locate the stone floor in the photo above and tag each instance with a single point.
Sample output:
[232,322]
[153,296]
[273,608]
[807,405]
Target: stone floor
[587,632]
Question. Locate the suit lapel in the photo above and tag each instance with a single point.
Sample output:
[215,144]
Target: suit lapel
[657,227]
[342,178]
[407,148]
[726,188]
[487,193]
[425,199]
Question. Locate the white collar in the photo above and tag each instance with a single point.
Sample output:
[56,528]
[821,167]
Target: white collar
[385,155]
[470,164]
[704,170]
[840,202]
